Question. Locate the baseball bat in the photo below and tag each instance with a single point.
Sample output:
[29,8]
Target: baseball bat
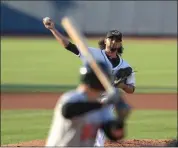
[79,39]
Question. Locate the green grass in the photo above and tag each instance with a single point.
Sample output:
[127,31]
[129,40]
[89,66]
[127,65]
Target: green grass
[26,125]
[152,125]
[43,61]
[37,62]
[18,126]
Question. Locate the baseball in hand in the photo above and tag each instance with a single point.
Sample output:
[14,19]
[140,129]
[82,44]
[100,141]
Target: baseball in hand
[48,23]
[46,20]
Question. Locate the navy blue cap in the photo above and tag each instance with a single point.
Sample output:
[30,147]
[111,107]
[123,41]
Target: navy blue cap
[114,33]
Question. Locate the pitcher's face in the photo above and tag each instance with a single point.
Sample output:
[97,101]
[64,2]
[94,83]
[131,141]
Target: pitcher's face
[113,43]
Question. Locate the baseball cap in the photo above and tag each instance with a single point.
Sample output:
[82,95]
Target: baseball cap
[114,33]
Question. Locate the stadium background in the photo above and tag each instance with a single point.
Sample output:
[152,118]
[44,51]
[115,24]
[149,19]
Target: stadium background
[94,19]
[33,61]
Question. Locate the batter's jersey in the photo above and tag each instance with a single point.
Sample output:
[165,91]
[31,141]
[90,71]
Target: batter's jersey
[79,131]
[100,55]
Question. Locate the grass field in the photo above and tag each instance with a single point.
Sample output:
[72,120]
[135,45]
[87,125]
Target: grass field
[44,61]
[26,125]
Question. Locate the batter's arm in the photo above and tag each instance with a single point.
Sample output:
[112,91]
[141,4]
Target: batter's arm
[74,109]
[71,108]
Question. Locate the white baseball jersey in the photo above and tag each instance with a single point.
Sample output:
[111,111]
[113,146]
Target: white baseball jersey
[100,55]
[80,131]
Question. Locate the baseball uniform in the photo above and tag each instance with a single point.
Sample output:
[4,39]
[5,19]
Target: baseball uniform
[81,129]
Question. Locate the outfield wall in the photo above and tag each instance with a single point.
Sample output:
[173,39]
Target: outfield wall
[93,17]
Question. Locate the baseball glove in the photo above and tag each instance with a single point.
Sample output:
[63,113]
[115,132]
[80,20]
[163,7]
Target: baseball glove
[122,75]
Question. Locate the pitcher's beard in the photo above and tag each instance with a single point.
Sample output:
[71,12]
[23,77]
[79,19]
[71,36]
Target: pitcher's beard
[113,49]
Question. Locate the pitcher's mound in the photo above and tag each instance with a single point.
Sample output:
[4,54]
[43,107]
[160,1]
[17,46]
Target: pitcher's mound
[124,143]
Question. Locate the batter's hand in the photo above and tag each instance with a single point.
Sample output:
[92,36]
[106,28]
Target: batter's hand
[112,98]
[49,24]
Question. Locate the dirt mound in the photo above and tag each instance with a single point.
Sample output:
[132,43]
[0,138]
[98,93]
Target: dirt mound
[138,143]
[124,143]
[28,143]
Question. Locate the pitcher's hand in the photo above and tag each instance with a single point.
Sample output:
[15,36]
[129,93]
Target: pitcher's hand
[48,23]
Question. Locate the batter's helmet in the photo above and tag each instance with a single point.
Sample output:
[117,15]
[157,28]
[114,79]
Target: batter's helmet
[87,75]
